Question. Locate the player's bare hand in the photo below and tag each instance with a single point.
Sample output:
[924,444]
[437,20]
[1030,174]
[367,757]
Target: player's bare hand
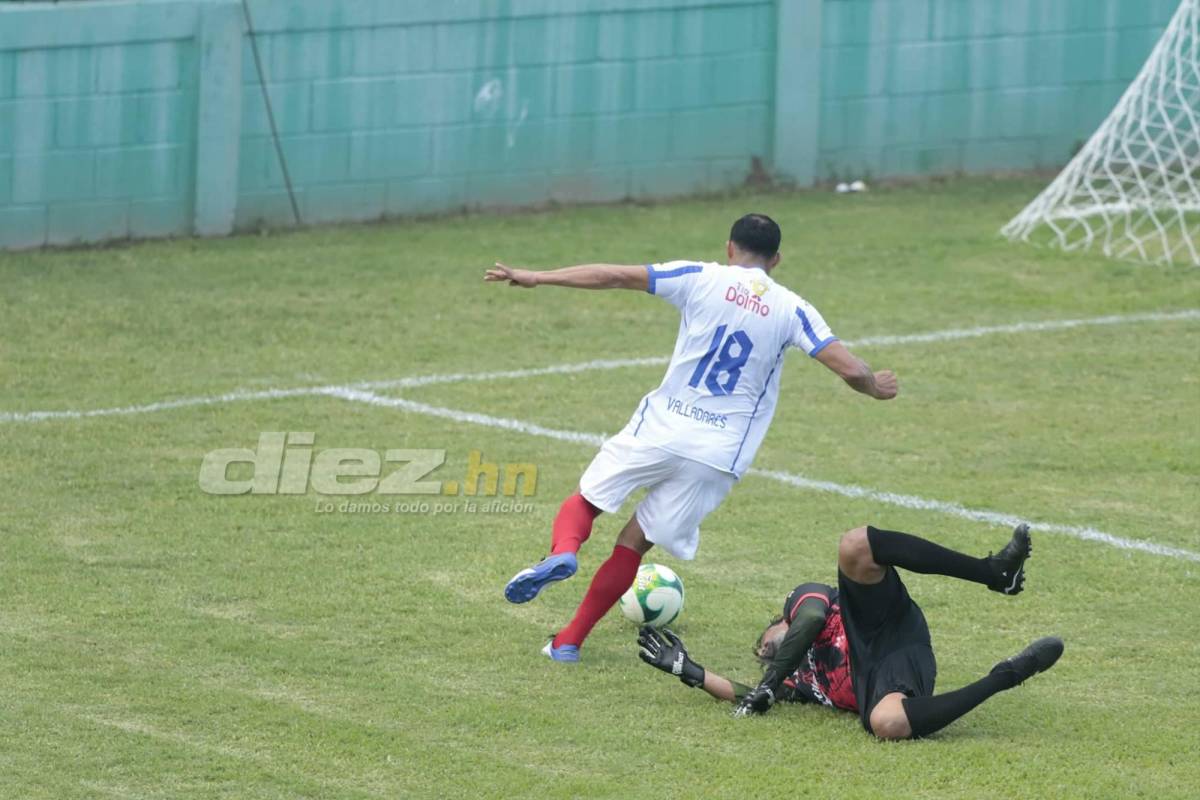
[886,386]
[524,278]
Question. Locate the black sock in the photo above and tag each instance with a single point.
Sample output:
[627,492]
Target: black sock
[929,714]
[892,548]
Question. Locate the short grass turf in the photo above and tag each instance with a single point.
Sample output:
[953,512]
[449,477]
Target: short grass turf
[157,641]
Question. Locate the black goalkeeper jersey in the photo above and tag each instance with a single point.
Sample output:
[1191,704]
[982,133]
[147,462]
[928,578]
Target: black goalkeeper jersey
[824,674]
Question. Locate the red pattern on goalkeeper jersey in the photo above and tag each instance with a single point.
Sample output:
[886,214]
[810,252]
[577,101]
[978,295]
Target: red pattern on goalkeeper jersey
[824,675]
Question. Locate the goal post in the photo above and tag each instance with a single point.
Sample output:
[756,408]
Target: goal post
[1134,189]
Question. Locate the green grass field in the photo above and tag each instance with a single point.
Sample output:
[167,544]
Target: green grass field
[158,641]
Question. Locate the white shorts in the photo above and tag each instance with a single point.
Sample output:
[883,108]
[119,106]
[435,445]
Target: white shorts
[682,491]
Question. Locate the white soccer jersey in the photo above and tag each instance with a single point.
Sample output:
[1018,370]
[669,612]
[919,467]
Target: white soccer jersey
[716,401]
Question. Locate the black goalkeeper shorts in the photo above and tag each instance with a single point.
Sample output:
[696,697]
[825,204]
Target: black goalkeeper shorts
[889,642]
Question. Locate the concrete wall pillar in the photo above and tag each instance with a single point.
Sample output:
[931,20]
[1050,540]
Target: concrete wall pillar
[218,118]
[797,90]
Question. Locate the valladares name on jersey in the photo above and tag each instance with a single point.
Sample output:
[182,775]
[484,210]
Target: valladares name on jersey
[685,409]
[716,401]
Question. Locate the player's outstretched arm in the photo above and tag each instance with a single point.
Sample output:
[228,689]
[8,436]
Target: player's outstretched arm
[584,276]
[857,375]
[723,688]
[802,631]
[663,650]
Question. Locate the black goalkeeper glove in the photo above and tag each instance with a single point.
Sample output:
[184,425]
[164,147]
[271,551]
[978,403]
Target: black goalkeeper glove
[663,650]
[760,699]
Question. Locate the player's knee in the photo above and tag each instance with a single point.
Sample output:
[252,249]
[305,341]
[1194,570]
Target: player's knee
[890,722]
[854,551]
[633,537]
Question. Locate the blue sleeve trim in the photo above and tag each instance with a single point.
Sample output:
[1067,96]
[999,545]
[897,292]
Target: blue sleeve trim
[656,275]
[675,273]
[822,345]
[818,345]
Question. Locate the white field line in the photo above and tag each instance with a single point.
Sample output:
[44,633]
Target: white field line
[585,366]
[799,481]
[870,341]
[165,405]
[1028,327]
[487,420]
[555,369]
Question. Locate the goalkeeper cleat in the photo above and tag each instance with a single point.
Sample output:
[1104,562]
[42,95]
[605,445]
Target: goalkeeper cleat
[1009,564]
[1038,657]
[568,652]
[528,583]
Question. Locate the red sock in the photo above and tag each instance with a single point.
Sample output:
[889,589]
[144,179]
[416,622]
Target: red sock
[612,579]
[573,525]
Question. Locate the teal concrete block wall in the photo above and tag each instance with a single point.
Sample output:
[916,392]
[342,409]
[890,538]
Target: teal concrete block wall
[96,129]
[387,108]
[939,86]
[146,117]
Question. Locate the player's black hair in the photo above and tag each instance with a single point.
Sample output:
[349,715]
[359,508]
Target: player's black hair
[765,658]
[757,234]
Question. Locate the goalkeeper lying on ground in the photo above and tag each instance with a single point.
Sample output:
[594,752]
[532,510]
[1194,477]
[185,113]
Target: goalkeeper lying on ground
[864,646]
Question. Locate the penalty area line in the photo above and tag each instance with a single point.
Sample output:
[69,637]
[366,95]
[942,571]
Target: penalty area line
[165,405]
[1043,326]
[908,501]
[416,381]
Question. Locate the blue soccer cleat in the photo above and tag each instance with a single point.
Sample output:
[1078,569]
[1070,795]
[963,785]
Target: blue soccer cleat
[568,652]
[528,583]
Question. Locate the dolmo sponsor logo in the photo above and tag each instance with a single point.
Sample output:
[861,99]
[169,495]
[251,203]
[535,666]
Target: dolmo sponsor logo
[742,297]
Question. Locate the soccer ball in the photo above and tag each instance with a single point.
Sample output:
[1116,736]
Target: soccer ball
[655,598]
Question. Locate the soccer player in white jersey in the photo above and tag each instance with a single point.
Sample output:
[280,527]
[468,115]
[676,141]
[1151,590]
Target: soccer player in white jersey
[691,438]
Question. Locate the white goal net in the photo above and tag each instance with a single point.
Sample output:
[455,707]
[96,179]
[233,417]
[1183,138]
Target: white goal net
[1134,188]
